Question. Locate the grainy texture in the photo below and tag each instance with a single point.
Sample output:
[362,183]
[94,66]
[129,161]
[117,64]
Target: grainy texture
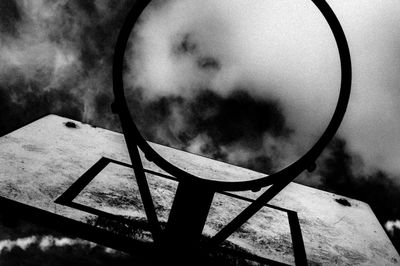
[41,160]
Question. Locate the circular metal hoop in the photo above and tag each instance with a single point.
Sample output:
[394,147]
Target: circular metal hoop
[305,162]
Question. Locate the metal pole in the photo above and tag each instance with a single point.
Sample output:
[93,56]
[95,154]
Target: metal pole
[187,218]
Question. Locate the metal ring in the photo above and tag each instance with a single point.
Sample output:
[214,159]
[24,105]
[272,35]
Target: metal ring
[131,131]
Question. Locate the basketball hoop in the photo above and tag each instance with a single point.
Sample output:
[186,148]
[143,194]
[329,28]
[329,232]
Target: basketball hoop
[195,193]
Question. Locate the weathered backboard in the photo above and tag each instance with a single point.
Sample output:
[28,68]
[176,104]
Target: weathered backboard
[78,178]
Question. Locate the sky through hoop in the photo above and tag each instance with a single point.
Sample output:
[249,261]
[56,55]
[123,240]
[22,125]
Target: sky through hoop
[189,53]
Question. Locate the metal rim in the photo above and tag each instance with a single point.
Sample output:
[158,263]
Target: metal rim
[306,161]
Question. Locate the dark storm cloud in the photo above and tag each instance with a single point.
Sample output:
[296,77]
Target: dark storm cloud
[56,57]
[10,17]
[237,121]
[35,105]
[236,118]
[98,33]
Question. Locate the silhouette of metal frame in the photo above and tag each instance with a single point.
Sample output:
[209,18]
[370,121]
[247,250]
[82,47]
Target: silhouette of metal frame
[194,193]
[67,199]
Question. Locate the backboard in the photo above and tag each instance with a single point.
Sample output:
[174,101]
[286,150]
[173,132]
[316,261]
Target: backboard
[78,178]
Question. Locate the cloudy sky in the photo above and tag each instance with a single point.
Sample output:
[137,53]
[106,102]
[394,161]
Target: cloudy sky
[251,84]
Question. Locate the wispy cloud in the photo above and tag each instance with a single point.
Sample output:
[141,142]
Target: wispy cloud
[55,59]
[46,242]
[392,226]
[22,243]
